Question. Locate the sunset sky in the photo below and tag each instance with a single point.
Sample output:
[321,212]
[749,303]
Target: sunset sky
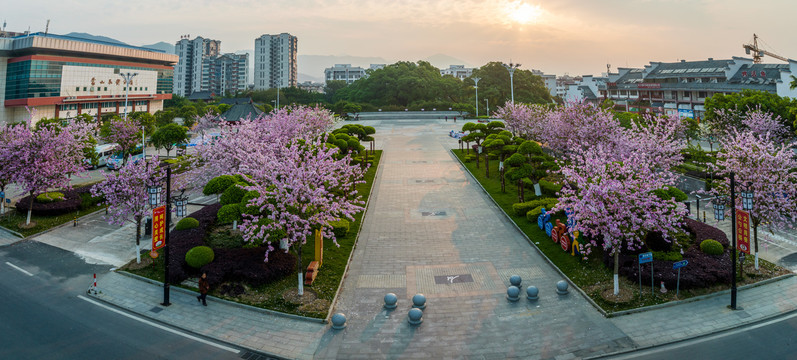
[565,36]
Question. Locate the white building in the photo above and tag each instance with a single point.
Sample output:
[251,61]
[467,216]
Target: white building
[312,86]
[584,90]
[457,71]
[344,72]
[193,68]
[275,61]
[548,80]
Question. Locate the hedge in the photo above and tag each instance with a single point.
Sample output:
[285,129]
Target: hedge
[187,223]
[199,256]
[522,208]
[71,203]
[233,194]
[246,264]
[218,184]
[340,227]
[229,213]
[49,197]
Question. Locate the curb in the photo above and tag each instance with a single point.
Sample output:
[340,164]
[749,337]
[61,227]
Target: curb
[728,329]
[583,294]
[356,241]
[223,301]
[12,232]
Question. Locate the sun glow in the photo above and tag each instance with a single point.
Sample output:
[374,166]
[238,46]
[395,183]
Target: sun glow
[523,13]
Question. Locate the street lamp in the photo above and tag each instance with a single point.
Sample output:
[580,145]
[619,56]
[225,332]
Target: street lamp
[488,107]
[511,67]
[128,76]
[476,85]
[154,189]
[747,197]
[719,214]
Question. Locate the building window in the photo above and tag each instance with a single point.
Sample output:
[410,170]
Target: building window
[77,88]
[702,94]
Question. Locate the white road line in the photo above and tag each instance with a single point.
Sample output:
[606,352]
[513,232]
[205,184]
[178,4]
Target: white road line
[18,268]
[223,347]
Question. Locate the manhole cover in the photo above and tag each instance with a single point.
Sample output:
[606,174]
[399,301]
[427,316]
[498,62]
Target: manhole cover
[452,279]
[156,309]
[433,213]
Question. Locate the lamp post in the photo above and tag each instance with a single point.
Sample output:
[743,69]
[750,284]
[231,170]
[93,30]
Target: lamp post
[488,107]
[128,76]
[476,85]
[511,67]
[719,214]
[154,191]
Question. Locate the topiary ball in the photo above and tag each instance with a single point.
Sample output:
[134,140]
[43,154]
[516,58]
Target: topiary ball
[711,247]
[218,184]
[187,223]
[340,227]
[233,194]
[49,197]
[199,256]
[229,213]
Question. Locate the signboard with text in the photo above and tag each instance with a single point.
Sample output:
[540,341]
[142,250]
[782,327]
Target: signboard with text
[743,231]
[645,257]
[158,227]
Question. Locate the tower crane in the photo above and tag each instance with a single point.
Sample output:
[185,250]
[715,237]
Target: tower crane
[758,53]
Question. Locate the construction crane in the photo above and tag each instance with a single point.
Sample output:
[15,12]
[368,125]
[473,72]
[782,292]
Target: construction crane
[758,53]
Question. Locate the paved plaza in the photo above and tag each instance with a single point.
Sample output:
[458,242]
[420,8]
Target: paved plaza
[430,229]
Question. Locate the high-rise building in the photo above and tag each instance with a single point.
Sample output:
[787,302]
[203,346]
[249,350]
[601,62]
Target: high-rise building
[275,61]
[203,69]
[63,76]
[196,57]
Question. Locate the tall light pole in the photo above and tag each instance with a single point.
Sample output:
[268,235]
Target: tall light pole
[476,85]
[128,76]
[488,107]
[512,67]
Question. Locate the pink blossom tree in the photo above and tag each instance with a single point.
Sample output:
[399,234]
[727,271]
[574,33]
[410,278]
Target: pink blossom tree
[124,132]
[303,187]
[46,157]
[612,198]
[578,125]
[767,167]
[660,138]
[126,194]
[524,120]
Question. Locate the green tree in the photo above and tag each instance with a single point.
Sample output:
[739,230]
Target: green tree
[749,100]
[168,136]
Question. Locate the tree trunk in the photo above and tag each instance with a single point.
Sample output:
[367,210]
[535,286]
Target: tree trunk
[30,208]
[299,266]
[616,272]
[487,164]
[503,181]
[138,239]
[477,160]
[522,191]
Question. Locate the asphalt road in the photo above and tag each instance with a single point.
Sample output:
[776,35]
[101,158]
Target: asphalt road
[774,339]
[44,315]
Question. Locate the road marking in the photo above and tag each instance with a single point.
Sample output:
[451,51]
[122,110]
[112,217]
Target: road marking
[192,337]
[18,268]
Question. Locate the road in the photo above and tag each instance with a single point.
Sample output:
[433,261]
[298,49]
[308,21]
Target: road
[774,339]
[44,315]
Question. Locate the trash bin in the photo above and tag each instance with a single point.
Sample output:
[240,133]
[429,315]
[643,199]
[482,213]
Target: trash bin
[148,227]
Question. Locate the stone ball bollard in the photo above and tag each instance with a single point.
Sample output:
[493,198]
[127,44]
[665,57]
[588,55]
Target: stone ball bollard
[512,293]
[338,321]
[515,280]
[390,301]
[415,316]
[532,293]
[561,287]
[419,301]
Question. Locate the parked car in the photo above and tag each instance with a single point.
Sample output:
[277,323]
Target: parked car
[116,161]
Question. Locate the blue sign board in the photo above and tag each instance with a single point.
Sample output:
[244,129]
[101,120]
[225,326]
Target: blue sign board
[645,258]
[686,113]
[679,264]
[2,194]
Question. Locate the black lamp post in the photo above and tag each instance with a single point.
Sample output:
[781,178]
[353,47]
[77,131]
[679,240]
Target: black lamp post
[719,214]
[154,191]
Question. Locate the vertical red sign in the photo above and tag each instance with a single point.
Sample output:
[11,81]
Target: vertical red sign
[158,227]
[743,231]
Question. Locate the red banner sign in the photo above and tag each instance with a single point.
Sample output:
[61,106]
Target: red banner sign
[158,227]
[743,231]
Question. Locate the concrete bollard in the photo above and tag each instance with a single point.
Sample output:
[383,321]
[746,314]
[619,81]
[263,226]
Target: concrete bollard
[419,301]
[561,287]
[338,321]
[415,316]
[532,293]
[390,301]
[512,293]
[515,280]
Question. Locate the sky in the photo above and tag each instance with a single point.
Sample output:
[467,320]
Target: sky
[576,37]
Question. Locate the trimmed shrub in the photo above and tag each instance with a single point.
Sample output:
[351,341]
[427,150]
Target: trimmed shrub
[245,208]
[71,203]
[246,264]
[549,188]
[340,227]
[184,240]
[704,231]
[233,194]
[711,247]
[187,223]
[199,256]
[671,192]
[533,214]
[218,184]
[668,255]
[225,238]
[50,197]
[470,158]
[229,213]
[86,200]
[522,208]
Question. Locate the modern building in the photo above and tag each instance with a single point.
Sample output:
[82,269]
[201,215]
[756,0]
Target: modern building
[344,72]
[275,61]
[193,68]
[548,80]
[586,89]
[312,86]
[457,71]
[228,73]
[62,76]
[682,87]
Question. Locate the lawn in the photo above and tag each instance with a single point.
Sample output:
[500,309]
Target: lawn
[590,275]
[326,284]
[12,219]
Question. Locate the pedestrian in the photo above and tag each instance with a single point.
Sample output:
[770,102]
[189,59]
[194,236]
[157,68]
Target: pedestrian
[203,288]
[446,118]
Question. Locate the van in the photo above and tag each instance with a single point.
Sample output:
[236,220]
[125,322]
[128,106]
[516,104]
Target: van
[102,154]
[116,161]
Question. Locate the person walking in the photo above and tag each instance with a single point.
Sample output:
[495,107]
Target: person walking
[203,289]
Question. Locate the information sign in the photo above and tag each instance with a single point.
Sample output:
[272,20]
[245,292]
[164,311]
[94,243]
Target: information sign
[158,227]
[743,231]
[645,258]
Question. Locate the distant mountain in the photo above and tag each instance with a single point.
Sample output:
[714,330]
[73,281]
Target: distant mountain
[95,38]
[443,61]
[163,46]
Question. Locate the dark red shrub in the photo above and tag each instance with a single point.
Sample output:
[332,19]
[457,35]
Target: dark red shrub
[248,265]
[704,231]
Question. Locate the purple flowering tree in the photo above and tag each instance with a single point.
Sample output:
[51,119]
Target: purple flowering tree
[124,132]
[524,120]
[47,157]
[762,163]
[126,194]
[578,125]
[612,199]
